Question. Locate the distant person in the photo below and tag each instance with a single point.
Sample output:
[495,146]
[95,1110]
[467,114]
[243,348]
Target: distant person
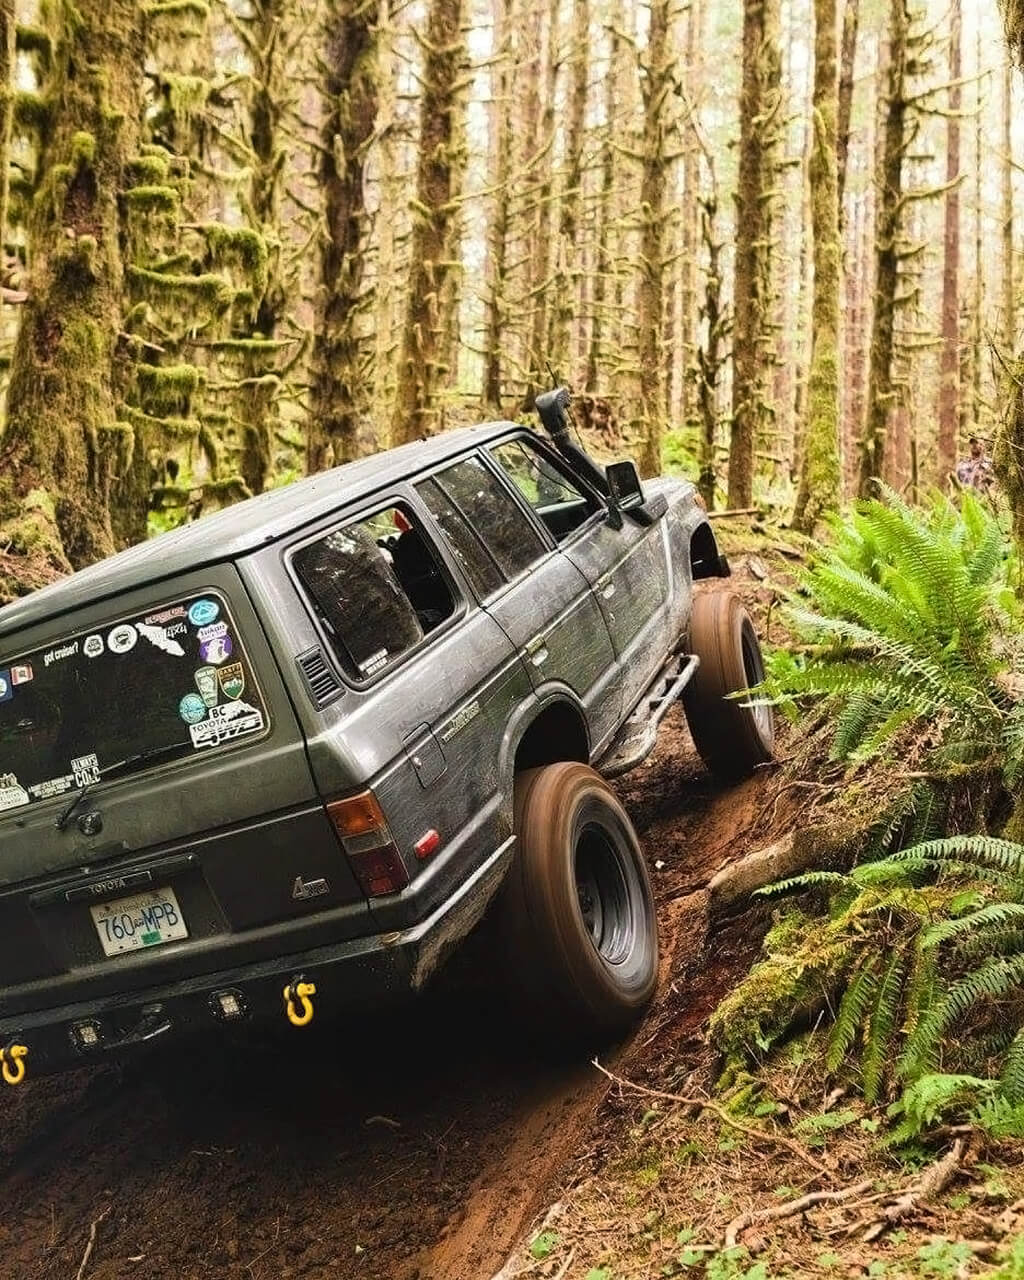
[975,471]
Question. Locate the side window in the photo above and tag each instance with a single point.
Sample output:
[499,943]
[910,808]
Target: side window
[377,587]
[556,499]
[469,549]
[495,521]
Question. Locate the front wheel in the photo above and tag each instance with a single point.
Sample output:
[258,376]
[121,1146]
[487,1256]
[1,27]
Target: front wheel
[576,915]
[733,736]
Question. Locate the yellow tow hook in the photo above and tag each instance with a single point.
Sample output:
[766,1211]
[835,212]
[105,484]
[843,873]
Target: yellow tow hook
[297,992]
[12,1063]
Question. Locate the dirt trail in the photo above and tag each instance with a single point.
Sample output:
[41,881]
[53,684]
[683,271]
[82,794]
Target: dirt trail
[416,1152]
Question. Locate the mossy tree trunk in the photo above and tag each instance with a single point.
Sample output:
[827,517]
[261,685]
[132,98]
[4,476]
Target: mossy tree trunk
[949,373]
[752,290]
[64,448]
[847,69]
[820,473]
[496,267]
[571,200]
[8,31]
[657,87]
[1013,15]
[541,253]
[606,237]
[441,161]
[881,390]
[340,392]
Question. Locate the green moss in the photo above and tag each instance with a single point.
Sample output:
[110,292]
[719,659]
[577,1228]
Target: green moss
[178,9]
[243,247]
[152,199]
[212,291]
[34,40]
[31,110]
[147,170]
[249,346]
[167,389]
[186,95]
[83,149]
[176,428]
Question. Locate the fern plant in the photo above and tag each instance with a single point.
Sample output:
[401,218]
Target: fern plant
[917,946]
[905,619]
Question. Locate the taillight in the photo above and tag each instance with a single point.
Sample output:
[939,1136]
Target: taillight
[366,838]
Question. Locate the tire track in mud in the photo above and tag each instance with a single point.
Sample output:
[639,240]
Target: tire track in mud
[418,1148]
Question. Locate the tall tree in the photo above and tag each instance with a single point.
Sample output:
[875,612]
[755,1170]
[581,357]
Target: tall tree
[8,31]
[752,288]
[881,389]
[847,71]
[495,271]
[820,473]
[949,386]
[570,203]
[1009,308]
[339,394]
[657,89]
[65,442]
[441,162]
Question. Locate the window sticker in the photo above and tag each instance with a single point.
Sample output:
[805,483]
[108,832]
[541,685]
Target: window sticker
[12,796]
[204,612]
[374,663]
[93,646]
[216,650]
[6,686]
[53,787]
[234,720]
[192,708]
[232,681]
[86,770]
[162,638]
[21,675]
[60,653]
[122,639]
[206,683]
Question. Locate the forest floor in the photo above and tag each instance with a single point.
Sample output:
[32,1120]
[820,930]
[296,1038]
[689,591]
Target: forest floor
[436,1148]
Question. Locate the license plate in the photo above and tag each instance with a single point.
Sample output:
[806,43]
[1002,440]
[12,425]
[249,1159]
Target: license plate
[143,920]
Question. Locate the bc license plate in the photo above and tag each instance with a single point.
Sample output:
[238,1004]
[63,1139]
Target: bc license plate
[143,920]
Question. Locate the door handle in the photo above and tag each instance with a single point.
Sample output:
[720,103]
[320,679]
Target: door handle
[608,590]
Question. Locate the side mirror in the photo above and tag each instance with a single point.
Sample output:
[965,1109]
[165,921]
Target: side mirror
[626,494]
[624,487]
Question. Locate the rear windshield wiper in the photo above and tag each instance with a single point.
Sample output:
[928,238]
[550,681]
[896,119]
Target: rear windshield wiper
[138,758]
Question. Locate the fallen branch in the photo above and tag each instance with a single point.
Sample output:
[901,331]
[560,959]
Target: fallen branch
[736,511]
[790,1209]
[92,1241]
[935,1179]
[705,1104]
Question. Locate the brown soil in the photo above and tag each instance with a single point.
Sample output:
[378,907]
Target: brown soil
[412,1151]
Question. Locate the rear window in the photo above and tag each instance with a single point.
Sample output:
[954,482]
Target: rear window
[151,688]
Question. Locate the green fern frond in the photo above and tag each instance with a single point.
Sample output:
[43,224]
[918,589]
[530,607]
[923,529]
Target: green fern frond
[991,980]
[882,1026]
[1012,1078]
[993,918]
[860,993]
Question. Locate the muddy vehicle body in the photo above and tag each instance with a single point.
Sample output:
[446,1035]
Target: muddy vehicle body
[281,761]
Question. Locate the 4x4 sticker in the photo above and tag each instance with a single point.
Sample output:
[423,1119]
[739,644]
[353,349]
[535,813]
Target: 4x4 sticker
[232,680]
[6,687]
[234,720]
[206,683]
[122,639]
[203,612]
[159,637]
[192,708]
[12,796]
[216,650]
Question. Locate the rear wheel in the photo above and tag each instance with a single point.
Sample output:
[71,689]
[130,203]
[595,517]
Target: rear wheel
[732,736]
[576,917]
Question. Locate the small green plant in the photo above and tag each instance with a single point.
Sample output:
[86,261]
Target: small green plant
[544,1245]
[940,1257]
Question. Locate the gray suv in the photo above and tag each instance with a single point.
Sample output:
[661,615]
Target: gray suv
[283,760]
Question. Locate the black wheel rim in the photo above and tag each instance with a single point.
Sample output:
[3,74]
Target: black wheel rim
[603,894]
[753,669]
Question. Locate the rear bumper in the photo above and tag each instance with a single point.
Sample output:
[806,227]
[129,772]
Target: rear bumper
[361,972]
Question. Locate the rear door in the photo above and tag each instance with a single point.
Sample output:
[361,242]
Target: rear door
[156,803]
[628,568]
[539,597]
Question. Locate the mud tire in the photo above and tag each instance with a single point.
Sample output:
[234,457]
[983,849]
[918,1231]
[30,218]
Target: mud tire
[576,919]
[732,739]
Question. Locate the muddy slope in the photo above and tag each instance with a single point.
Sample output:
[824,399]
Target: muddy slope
[407,1152]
